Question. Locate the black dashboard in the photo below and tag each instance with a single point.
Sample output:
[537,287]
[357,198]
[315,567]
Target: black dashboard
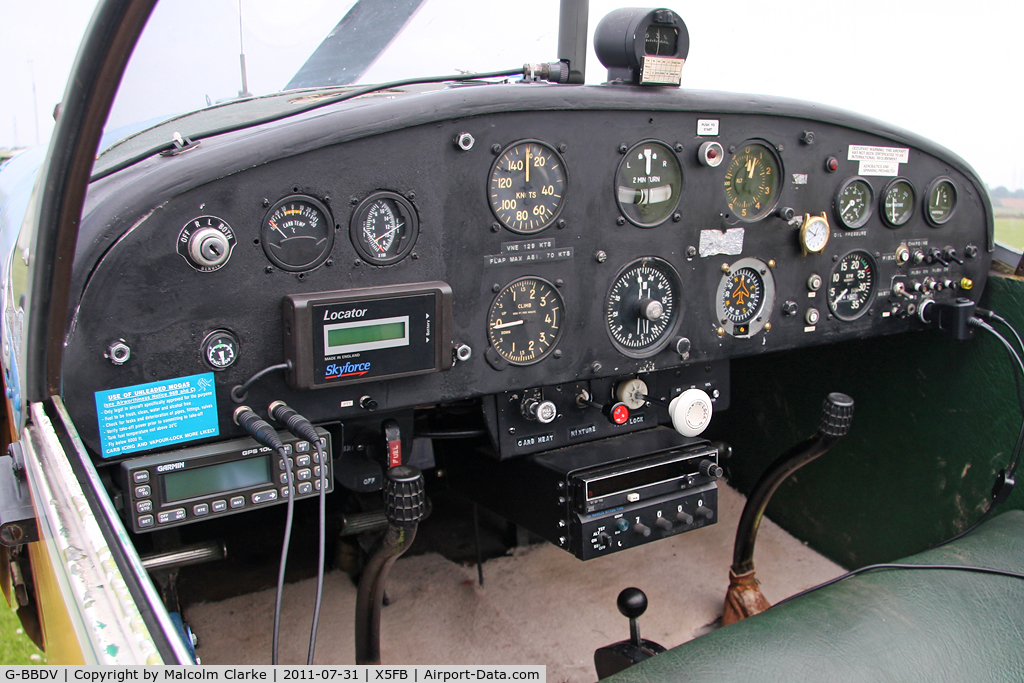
[502,245]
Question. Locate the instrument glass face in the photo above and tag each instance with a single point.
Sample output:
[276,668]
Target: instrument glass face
[643,307]
[941,201]
[648,183]
[525,320]
[853,203]
[384,228]
[297,233]
[898,203]
[752,181]
[851,286]
[744,294]
[527,184]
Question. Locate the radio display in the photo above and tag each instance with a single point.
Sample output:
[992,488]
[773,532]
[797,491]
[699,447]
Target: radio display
[228,476]
[644,476]
[366,335]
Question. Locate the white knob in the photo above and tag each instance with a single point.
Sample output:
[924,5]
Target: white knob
[690,412]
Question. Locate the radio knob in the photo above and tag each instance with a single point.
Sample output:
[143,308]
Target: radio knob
[603,540]
[663,524]
[621,524]
[684,518]
[709,468]
[705,512]
[642,529]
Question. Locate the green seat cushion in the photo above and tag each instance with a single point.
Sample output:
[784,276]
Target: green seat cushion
[886,625]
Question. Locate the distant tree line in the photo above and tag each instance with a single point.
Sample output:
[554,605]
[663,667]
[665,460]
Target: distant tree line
[1002,193]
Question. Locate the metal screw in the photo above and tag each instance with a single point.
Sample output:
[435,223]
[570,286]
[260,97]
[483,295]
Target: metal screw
[623,148]
[600,257]
[679,147]
[559,282]
[495,287]
[562,147]
[691,252]
[268,269]
[620,221]
[595,366]
[463,352]
[561,223]
[329,262]
[412,195]
[676,217]
[725,267]
[511,430]
[118,352]
[414,256]
[357,263]
[557,354]
[495,149]
[353,200]
[265,202]
[495,227]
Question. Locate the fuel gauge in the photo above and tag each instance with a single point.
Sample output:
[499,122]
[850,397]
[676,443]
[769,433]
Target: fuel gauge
[384,228]
[220,349]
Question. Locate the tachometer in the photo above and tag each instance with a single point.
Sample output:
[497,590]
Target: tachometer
[384,228]
[648,183]
[297,233]
[525,320]
[745,298]
[752,181]
[527,183]
[643,305]
[851,287]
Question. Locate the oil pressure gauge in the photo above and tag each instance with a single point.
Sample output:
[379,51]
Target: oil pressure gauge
[853,203]
[383,228]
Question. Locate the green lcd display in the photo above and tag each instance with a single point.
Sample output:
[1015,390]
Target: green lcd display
[347,336]
[223,478]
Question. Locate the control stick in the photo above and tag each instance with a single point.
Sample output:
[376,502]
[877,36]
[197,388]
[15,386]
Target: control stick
[612,659]
[744,597]
[405,507]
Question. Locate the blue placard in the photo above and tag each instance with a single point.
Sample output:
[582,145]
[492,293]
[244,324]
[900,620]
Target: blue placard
[157,414]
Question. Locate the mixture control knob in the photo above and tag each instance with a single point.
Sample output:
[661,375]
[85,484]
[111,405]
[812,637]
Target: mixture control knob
[642,529]
[663,523]
[617,413]
[705,512]
[544,412]
[691,412]
[710,468]
[651,309]
[684,518]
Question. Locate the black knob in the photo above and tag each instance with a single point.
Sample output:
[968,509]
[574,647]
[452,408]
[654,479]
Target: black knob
[790,308]
[684,518]
[836,414]
[603,540]
[949,253]
[786,213]
[971,251]
[705,512]
[632,603]
[935,255]
[405,501]
[642,529]
[709,468]
[663,524]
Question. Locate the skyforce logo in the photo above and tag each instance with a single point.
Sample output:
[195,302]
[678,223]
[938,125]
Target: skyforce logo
[335,371]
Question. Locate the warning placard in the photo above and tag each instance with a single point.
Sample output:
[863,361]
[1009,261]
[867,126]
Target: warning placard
[157,414]
[899,155]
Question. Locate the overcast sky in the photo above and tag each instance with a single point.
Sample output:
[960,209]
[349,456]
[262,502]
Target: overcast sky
[950,71]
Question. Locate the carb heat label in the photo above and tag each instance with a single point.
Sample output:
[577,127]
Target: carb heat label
[156,414]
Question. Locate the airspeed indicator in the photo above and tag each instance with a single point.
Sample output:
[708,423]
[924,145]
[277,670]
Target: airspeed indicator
[526,186]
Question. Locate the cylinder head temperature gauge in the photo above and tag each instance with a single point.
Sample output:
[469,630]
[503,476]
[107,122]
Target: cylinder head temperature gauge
[745,298]
[643,307]
[383,228]
[297,233]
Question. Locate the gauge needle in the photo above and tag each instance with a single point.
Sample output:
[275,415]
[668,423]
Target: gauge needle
[750,167]
[383,235]
[274,226]
[843,295]
[511,324]
[847,207]
[527,164]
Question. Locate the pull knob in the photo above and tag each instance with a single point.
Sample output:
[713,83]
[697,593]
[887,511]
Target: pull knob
[663,523]
[642,529]
[617,413]
[544,412]
[684,518]
[691,412]
[705,512]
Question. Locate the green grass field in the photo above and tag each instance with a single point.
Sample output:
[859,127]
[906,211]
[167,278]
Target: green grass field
[1010,231]
[15,647]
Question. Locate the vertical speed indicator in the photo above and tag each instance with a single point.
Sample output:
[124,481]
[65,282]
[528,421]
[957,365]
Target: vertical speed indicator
[527,183]
[525,320]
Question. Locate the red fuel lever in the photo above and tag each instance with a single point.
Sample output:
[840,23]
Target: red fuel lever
[393,437]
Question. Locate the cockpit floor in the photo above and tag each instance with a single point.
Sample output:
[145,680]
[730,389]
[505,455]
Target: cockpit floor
[538,605]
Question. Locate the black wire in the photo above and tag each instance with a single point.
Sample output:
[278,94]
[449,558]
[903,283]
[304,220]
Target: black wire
[284,553]
[1020,394]
[323,536]
[239,391]
[872,567]
[451,434]
[1015,456]
[315,104]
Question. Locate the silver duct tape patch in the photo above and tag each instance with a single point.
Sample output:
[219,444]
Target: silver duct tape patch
[714,242]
